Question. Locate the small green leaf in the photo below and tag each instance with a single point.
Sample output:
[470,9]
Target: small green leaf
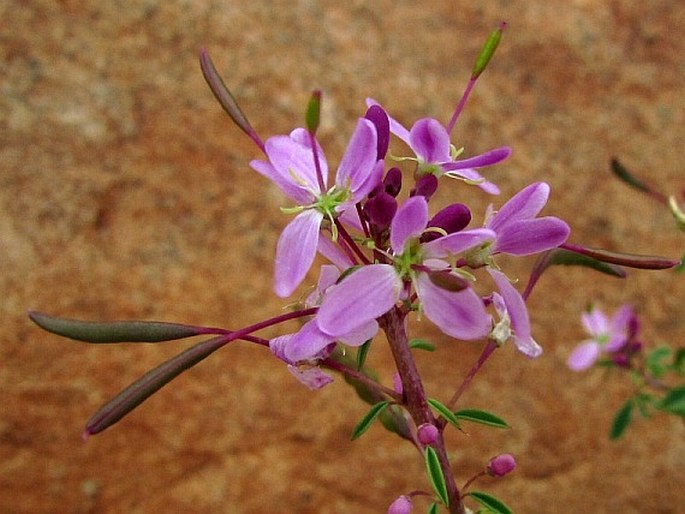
[491,503]
[114,331]
[444,412]
[435,475]
[674,401]
[481,417]
[622,419]
[421,344]
[362,353]
[656,361]
[433,509]
[622,173]
[679,360]
[370,416]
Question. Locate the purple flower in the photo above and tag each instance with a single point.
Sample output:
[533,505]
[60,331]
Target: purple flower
[606,335]
[519,231]
[401,505]
[501,465]
[292,168]
[373,290]
[430,142]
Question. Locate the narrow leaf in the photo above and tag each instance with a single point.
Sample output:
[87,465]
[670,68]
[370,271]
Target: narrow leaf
[656,361]
[623,259]
[362,353]
[623,174]
[370,416]
[422,344]
[481,417]
[148,384]
[491,503]
[433,509]
[622,420]
[444,412]
[674,401]
[114,331]
[435,475]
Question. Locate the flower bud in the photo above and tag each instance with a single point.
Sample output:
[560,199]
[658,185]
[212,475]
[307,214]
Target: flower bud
[401,505]
[501,465]
[451,219]
[427,433]
[425,186]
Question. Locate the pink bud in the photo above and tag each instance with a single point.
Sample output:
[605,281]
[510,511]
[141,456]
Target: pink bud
[501,465]
[427,433]
[401,505]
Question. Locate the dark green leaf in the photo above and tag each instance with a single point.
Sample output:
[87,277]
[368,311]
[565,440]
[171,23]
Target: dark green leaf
[444,412]
[622,420]
[435,475]
[148,384]
[674,401]
[433,509]
[622,173]
[362,353]
[482,417]
[370,416]
[421,344]
[490,502]
[679,360]
[114,331]
[656,361]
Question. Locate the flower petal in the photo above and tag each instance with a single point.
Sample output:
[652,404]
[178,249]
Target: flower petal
[307,343]
[526,237]
[333,253]
[395,126]
[359,158]
[296,192]
[360,335]
[526,204]
[485,159]
[595,322]
[409,221]
[430,141]
[583,356]
[361,297]
[472,175]
[458,314]
[312,377]
[457,242]
[296,250]
[518,313]
[294,163]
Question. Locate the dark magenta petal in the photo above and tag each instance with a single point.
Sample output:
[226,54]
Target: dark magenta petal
[381,209]
[393,181]
[452,218]
[425,186]
[376,115]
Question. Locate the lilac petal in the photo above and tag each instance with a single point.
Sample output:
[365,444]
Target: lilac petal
[526,204]
[294,162]
[518,313]
[307,343]
[296,250]
[286,184]
[312,377]
[395,127]
[363,296]
[485,159]
[359,157]
[583,356]
[430,141]
[526,237]
[277,345]
[458,314]
[333,253]
[360,335]
[371,181]
[409,221]
[327,277]
[595,323]
[457,242]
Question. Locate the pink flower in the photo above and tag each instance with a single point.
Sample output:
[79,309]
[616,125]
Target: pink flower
[606,335]
[292,167]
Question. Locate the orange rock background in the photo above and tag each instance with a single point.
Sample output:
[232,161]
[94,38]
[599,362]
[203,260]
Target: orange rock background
[126,193]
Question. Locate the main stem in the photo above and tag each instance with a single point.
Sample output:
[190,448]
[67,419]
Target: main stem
[415,397]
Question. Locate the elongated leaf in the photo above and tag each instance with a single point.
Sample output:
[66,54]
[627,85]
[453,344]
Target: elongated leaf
[421,344]
[114,331]
[622,173]
[490,502]
[657,361]
[629,260]
[370,416]
[436,476]
[481,417]
[622,420]
[433,509]
[674,401]
[148,384]
[560,257]
[362,353]
[444,412]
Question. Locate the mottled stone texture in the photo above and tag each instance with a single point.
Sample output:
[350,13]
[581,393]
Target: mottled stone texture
[125,193]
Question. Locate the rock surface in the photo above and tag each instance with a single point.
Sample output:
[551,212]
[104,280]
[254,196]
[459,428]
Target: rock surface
[125,193]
